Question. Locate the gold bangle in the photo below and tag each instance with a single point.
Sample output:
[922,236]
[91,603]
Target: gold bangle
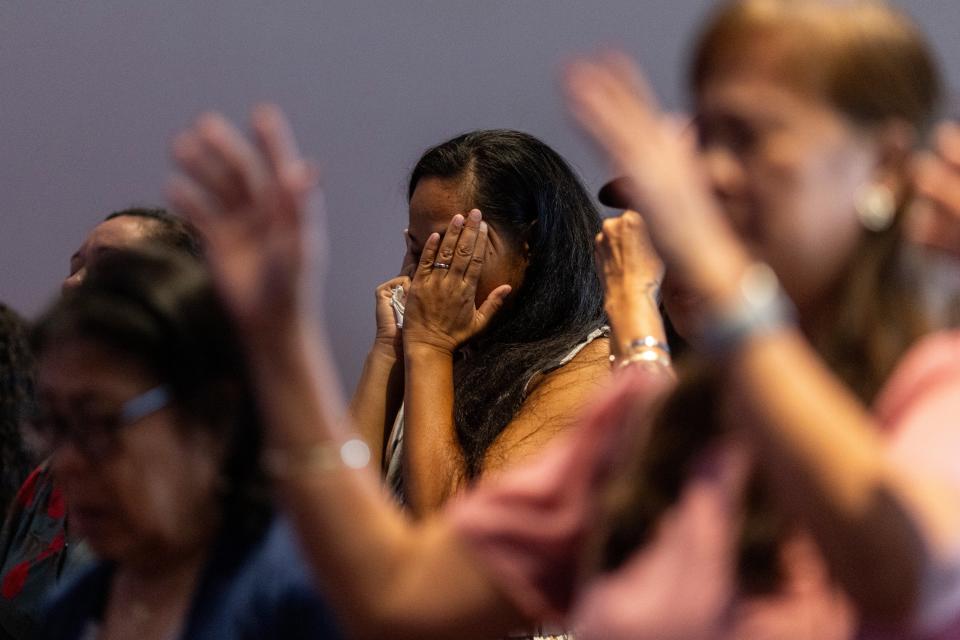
[323,457]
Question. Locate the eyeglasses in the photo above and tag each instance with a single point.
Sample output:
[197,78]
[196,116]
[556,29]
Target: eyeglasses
[91,429]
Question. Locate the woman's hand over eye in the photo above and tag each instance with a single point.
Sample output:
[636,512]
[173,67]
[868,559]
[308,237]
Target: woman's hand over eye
[441,311]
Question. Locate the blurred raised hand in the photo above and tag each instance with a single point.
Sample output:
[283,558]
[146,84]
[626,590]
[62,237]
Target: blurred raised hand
[666,184]
[252,200]
[934,218]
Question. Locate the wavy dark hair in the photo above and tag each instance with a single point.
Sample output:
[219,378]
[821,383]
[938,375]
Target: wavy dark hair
[160,309]
[529,193]
[17,396]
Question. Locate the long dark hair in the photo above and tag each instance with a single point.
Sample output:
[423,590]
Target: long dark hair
[527,190]
[160,309]
[874,66]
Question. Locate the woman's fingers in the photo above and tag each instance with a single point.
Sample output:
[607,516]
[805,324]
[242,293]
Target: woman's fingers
[477,258]
[604,93]
[492,304]
[448,246]
[225,145]
[465,249]
[275,139]
[193,202]
[613,104]
[947,140]
[204,168]
[629,79]
[428,255]
[937,181]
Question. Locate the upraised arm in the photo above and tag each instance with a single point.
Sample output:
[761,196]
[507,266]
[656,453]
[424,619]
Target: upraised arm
[820,445]
[384,576]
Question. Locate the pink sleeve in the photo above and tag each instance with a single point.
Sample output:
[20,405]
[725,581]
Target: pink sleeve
[920,408]
[527,525]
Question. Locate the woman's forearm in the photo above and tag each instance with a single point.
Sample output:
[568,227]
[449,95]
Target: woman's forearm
[433,461]
[377,397]
[633,316]
[384,576]
[828,465]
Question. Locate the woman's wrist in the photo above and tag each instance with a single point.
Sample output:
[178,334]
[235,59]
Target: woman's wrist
[386,349]
[634,317]
[756,305]
[426,349]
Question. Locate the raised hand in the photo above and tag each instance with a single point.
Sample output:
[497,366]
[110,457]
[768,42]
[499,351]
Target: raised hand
[666,185]
[441,311]
[631,272]
[626,259]
[251,201]
[934,218]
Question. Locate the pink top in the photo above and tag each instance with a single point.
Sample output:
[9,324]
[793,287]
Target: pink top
[528,527]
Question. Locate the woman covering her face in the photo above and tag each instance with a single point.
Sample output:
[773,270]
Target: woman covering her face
[492,361]
[147,409]
[807,115]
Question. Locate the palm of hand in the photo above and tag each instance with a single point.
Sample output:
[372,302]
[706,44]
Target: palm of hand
[251,202]
[257,262]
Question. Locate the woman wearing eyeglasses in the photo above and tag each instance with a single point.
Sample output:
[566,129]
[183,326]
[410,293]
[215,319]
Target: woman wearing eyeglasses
[146,407]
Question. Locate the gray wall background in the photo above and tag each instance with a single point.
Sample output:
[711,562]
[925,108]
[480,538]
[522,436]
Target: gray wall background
[91,92]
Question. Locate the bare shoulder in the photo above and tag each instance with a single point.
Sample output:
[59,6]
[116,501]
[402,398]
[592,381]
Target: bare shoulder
[590,367]
[553,405]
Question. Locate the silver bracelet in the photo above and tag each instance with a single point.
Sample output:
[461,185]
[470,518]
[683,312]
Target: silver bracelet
[646,351]
[761,307]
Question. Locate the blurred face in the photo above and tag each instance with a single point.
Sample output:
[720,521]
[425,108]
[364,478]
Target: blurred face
[434,203]
[148,491]
[788,169]
[122,232]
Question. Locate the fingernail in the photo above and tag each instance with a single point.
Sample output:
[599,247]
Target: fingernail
[483,226]
[458,220]
[475,215]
